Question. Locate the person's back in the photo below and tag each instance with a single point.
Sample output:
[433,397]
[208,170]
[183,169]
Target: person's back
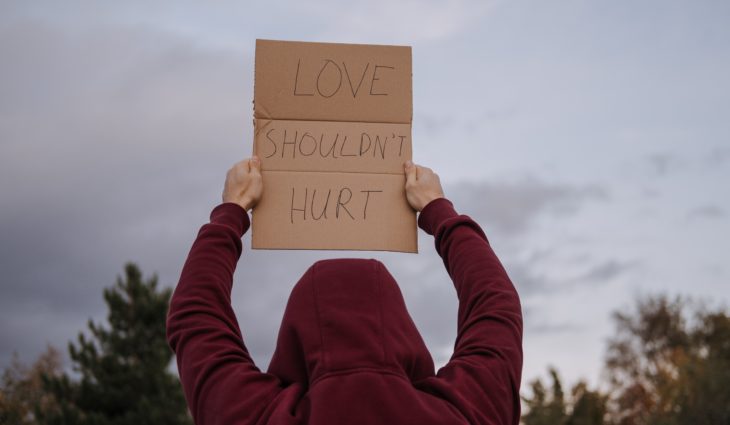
[348,351]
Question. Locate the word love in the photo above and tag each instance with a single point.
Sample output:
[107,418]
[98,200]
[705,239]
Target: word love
[337,204]
[335,145]
[329,79]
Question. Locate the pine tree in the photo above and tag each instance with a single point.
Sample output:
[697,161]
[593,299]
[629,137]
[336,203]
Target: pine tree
[123,368]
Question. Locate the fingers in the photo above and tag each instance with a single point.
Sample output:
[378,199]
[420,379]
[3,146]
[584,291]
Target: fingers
[415,172]
[247,166]
[244,184]
[410,169]
[255,165]
[424,175]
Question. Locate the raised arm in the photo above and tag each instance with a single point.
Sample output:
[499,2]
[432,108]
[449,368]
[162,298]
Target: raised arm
[482,379]
[221,383]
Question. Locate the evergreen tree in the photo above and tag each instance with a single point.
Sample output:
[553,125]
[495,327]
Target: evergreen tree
[581,407]
[123,368]
[546,408]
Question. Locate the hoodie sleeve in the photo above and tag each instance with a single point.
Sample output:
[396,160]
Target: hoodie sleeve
[221,383]
[482,379]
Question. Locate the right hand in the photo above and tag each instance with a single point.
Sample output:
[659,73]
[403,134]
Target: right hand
[422,185]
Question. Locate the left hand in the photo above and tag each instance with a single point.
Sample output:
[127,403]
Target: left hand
[422,186]
[244,184]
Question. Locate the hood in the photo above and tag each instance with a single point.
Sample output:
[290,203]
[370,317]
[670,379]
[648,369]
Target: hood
[347,314]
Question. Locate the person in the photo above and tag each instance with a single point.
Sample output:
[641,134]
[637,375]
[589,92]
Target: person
[347,350]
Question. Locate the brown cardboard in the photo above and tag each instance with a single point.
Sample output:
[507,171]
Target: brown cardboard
[332,146]
[333,82]
[334,211]
[332,130]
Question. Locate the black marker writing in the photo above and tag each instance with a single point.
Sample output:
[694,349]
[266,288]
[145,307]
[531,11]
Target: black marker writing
[315,205]
[342,204]
[303,210]
[375,78]
[296,81]
[286,143]
[319,77]
[367,198]
[324,208]
[328,80]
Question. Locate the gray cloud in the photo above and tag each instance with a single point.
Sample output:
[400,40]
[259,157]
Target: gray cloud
[434,124]
[663,163]
[530,283]
[449,124]
[606,271]
[707,212]
[112,142]
[118,121]
[552,328]
[649,193]
[660,162]
[717,156]
[525,279]
[114,148]
[509,208]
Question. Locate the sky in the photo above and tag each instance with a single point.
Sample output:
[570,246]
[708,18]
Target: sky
[591,140]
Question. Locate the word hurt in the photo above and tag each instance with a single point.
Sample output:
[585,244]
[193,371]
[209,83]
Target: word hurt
[313,207]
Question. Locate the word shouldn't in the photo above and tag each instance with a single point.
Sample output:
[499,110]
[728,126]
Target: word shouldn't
[328,80]
[317,207]
[335,146]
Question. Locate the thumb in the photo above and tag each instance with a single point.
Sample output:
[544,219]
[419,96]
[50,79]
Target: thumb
[410,168]
[255,164]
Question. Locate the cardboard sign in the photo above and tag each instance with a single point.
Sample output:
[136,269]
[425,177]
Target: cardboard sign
[332,127]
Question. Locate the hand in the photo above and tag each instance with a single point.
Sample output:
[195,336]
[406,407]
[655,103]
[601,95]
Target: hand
[243,183]
[422,185]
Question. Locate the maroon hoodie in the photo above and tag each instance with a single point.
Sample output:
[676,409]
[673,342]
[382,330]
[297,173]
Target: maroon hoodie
[348,351]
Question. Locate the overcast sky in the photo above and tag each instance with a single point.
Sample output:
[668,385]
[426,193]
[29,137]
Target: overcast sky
[591,140]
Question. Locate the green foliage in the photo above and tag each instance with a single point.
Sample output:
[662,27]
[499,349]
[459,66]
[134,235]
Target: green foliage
[667,364]
[589,407]
[668,367]
[123,368]
[21,388]
[581,407]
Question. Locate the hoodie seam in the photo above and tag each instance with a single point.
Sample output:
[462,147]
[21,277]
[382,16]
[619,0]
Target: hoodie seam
[378,278]
[319,319]
[356,370]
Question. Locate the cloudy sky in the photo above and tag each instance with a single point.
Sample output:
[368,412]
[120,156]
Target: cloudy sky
[590,139]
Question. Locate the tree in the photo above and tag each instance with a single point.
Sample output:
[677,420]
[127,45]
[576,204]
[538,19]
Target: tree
[546,408]
[123,368]
[581,407]
[668,364]
[589,407]
[21,388]
[667,368]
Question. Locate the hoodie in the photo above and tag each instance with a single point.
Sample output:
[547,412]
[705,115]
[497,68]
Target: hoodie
[347,351]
